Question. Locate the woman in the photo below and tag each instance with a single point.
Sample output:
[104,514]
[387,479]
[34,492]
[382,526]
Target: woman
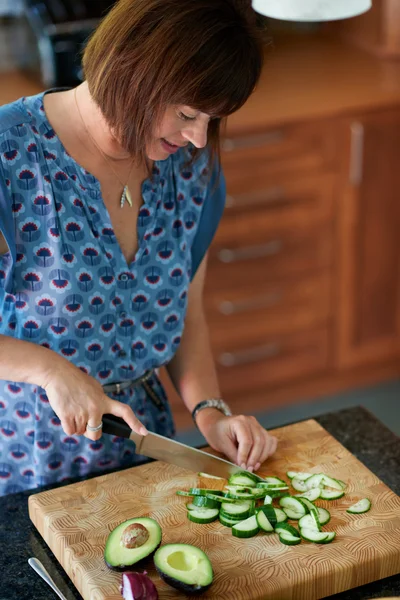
[110,192]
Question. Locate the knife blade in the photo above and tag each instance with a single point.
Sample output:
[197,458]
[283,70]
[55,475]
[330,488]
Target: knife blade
[170,451]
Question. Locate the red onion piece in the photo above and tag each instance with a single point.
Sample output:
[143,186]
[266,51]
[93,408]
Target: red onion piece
[138,586]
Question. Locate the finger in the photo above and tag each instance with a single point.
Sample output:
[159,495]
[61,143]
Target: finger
[126,413]
[68,424]
[257,450]
[245,442]
[80,424]
[270,447]
[93,421]
[230,449]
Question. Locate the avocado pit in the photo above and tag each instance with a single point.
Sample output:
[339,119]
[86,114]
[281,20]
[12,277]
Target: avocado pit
[134,536]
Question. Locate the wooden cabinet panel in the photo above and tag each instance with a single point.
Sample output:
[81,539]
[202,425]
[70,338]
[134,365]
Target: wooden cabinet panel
[258,156]
[269,257]
[368,317]
[279,307]
[272,360]
[282,201]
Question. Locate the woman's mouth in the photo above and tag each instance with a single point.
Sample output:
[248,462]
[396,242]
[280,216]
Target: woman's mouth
[168,146]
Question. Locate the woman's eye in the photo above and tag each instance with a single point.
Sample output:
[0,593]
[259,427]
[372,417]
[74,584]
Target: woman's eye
[185,117]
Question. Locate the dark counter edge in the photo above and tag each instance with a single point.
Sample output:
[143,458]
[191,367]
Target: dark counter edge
[356,428]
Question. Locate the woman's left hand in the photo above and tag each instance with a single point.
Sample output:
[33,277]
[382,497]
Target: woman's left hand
[241,438]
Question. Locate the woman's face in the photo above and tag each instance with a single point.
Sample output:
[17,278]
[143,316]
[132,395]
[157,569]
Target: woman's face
[179,126]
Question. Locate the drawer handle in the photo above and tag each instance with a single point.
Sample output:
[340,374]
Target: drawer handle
[275,194]
[227,255]
[357,154]
[233,359]
[252,141]
[267,301]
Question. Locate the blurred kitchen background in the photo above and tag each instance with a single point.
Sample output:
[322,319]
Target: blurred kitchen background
[303,286]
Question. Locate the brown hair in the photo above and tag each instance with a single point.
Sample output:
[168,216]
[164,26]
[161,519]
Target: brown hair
[147,54]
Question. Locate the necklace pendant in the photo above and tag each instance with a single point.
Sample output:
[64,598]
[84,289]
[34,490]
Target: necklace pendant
[123,197]
[126,196]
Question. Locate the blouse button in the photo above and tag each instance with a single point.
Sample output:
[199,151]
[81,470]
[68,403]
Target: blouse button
[124,277]
[123,314]
[122,354]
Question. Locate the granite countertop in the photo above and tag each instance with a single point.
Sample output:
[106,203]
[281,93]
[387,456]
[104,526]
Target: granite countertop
[360,432]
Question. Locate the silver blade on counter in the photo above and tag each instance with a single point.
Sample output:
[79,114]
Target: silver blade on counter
[173,452]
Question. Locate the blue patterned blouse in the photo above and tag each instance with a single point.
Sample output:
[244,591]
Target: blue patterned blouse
[66,285]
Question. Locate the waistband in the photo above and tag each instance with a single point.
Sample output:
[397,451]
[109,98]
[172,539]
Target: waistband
[117,387]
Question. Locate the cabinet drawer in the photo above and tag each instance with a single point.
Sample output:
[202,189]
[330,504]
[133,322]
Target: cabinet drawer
[281,195]
[294,148]
[239,313]
[293,205]
[269,257]
[271,360]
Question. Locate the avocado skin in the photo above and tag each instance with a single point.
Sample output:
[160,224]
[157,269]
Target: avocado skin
[122,568]
[182,587]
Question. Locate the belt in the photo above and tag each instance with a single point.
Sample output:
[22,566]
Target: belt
[116,388]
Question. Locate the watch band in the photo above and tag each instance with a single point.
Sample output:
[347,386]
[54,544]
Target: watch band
[217,403]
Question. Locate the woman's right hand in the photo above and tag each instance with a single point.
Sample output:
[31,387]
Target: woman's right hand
[79,400]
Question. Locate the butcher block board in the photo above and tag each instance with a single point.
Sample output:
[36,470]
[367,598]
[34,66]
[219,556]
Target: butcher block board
[75,521]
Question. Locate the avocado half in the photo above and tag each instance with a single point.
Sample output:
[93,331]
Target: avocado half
[184,567]
[119,557]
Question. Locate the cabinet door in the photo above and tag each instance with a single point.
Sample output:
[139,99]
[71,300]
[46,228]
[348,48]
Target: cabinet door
[369,241]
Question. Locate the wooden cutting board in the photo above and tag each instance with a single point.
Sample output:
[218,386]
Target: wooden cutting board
[76,520]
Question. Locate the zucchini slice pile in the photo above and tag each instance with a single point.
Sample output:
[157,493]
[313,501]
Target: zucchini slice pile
[246,505]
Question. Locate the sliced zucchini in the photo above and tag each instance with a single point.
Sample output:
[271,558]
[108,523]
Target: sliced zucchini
[314,481]
[273,487]
[203,501]
[225,520]
[203,492]
[311,495]
[270,513]
[241,509]
[293,507]
[239,495]
[289,539]
[274,481]
[281,516]
[243,478]
[332,483]
[307,522]
[221,498]
[210,476]
[237,488]
[312,535]
[203,515]
[299,484]
[268,499]
[360,507]
[323,515]
[300,475]
[286,528]
[183,493]
[247,528]
[331,494]
[263,522]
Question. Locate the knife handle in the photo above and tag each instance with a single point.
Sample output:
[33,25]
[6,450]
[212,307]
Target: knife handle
[116,426]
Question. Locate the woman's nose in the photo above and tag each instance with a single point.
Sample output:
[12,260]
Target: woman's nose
[196,133]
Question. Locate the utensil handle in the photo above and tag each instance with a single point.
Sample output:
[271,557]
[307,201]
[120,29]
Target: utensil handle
[116,426]
[40,570]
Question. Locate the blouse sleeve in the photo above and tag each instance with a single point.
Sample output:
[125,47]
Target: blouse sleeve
[7,223]
[214,205]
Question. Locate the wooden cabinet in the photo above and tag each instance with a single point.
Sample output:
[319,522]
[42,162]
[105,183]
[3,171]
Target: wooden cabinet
[368,242]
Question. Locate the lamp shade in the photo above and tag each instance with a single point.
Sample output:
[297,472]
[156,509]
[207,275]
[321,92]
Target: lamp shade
[311,10]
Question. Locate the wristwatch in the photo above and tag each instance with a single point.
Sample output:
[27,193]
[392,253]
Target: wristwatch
[211,403]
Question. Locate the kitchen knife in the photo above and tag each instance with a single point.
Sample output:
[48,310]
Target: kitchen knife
[162,448]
